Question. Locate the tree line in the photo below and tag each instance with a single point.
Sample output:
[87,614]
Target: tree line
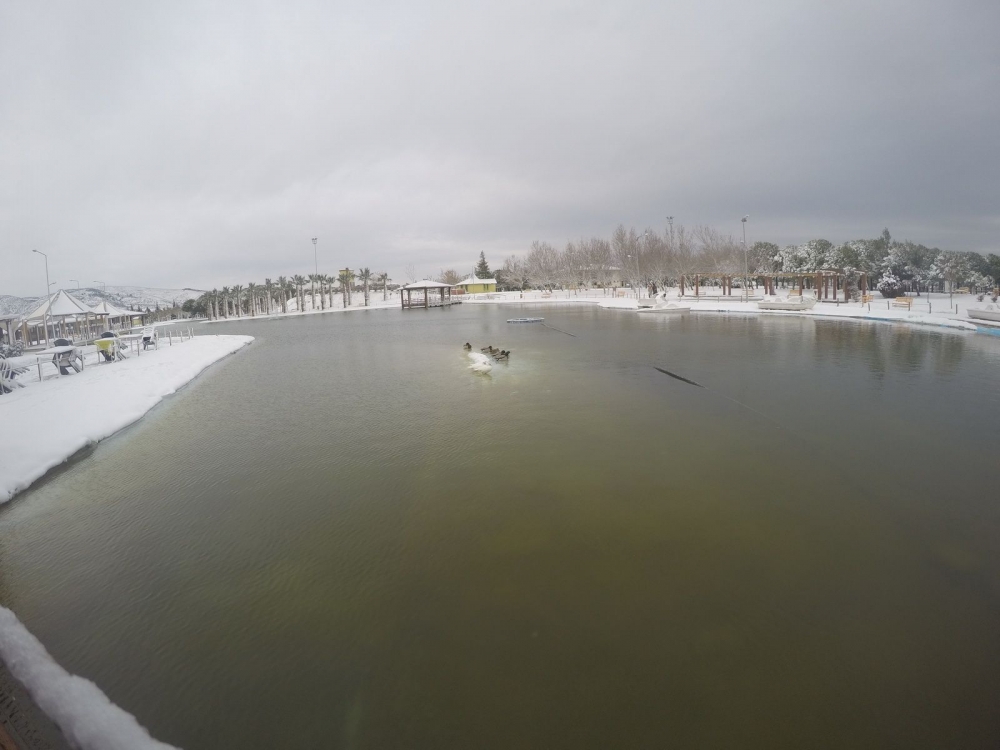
[270,297]
[661,258]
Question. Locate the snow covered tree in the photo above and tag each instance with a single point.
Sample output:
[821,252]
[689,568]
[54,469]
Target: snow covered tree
[889,285]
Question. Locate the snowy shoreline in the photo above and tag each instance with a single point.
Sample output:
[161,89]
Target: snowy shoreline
[48,422]
[849,311]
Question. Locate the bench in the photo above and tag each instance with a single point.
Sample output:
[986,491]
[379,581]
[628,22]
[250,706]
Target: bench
[866,298]
[906,302]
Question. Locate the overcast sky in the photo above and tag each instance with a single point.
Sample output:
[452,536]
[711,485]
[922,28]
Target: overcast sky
[204,143]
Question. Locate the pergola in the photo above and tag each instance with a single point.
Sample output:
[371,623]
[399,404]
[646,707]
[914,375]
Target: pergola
[64,314]
[124,317]
[8,323]
[425,288]
[826,282]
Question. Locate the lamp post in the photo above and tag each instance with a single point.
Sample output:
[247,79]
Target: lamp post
[74,281]
[746,266]
[315,256]
[48,286]
[104,287]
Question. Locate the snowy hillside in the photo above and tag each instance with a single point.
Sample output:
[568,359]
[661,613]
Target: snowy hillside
[126,297]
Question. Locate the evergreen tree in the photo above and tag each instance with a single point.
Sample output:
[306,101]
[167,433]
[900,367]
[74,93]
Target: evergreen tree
[483,268]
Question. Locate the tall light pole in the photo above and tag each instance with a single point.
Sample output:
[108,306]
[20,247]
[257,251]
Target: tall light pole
[315,256]
[48,287]
[746,265]
[74,281]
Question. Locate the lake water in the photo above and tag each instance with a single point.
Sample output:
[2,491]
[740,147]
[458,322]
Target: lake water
[342,538]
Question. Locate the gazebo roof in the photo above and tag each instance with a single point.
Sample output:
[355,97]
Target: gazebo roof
[60,305]
[427,284]
[473,280]
[106,308]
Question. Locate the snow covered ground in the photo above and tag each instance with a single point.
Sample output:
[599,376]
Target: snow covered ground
[47,422]
[936,310]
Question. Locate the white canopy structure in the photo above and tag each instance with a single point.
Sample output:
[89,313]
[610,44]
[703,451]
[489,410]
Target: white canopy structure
[59,305]
[123,317]
[62,310]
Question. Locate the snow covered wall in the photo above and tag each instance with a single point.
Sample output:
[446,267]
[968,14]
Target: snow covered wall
[85,715]
[46,423]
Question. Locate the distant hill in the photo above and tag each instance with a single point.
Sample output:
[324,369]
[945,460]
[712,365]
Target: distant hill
[137,297]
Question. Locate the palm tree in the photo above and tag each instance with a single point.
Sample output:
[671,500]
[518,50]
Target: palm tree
[330,281]
[282,283]
[350,284]
[365,274]
[344,278]
[252,297]
[299,282]
[238,299]
[225,299]
[313,279]
[384,278]
[269,288]
[214,306]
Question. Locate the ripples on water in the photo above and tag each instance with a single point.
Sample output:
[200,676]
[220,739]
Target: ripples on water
[344,538]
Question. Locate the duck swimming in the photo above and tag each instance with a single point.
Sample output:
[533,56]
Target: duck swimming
[487,349]
[467,346]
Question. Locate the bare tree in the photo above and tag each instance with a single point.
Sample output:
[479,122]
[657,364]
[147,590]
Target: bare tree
[542,265]
[411,272]
[625,249]
[449,276]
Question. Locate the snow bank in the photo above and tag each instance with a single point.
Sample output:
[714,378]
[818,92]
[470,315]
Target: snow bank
[46,423]
[88,719]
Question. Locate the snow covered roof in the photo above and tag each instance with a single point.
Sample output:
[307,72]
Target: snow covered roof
[106,308]
[59,305]
[427,284]
[473,280]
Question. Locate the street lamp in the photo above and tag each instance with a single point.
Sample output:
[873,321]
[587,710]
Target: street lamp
[74,281]
[104,287]
[746,266]
[48,288]
[315,256]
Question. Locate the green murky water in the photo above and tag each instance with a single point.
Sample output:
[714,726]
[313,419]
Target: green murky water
[342,538]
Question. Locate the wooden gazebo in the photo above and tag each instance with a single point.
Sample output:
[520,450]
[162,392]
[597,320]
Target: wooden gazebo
[424,290]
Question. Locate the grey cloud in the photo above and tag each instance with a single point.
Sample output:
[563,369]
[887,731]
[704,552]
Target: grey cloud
[204,144]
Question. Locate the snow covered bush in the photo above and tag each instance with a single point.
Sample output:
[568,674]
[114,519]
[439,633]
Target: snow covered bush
[889,285]
[11,350]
